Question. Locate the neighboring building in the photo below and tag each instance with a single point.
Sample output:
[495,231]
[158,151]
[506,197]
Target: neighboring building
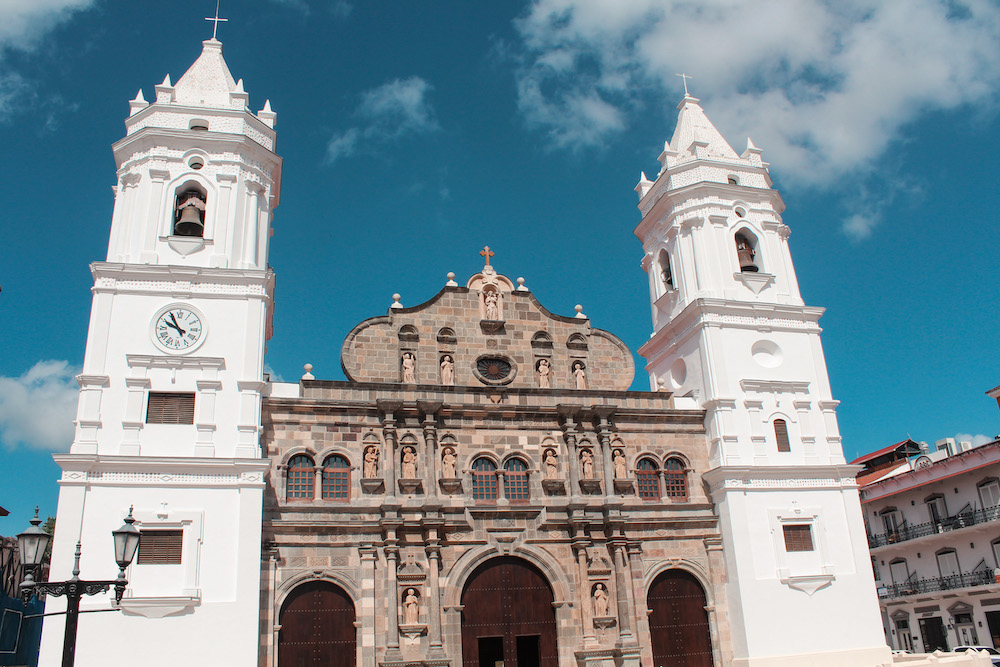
[933,522]
[483,487]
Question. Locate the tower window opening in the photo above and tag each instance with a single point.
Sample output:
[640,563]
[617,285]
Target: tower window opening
[196,162]
[733,180]
[781,435]
[189,213]
[666,277]
[746,254]
[199,124]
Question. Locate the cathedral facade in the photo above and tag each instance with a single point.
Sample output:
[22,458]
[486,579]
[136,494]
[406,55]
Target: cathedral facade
[483,488]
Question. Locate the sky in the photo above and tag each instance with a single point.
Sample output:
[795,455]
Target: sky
[415,133]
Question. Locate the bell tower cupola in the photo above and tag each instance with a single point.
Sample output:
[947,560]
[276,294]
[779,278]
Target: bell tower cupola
[197,173]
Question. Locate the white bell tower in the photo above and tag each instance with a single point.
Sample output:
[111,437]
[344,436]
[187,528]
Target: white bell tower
[169,416]
[732,336]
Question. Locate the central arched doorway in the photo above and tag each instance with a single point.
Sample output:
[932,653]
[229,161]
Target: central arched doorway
[317,627]
[508,616]
[678,621]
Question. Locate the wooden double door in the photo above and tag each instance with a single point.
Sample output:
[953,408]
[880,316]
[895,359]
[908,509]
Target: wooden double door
[678,621]
[317,627]
[507,618]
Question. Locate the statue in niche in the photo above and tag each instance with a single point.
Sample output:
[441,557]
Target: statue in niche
[544,374]
[492,300]
[448,461]
[581,375]
[447,370]
[411,607]
[600,601]
[587,464]
[409,463]
[371,461]
[409,367]
[551,464]
[619,461]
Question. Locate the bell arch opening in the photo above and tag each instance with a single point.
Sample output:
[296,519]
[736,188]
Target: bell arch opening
[508,616]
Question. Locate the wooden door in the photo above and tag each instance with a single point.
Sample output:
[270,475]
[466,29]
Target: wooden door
[508,619]
[678,622]
[317,627]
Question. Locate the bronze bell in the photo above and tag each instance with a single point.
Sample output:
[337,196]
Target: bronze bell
[189,223]
[744,252]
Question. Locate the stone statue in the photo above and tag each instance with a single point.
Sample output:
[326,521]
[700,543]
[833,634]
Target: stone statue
[544,374]
[447,370]
[587,464]
[409,463]
[492,300]
[409,367]
[600,601]
[371,461]
[411,607]
[551,464]
[448,463]
[581,375]
[619,462]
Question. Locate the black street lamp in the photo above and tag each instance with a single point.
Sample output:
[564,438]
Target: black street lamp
[32,543]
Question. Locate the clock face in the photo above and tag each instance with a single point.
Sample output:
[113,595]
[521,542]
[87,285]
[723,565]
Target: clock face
[178,329]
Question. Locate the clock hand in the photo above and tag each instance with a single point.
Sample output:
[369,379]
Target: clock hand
[175,325]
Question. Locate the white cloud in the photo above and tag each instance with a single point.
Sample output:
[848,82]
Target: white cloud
[824,86]
[341,9]
[976,440]
[37,408]
[390,111]
[25,24]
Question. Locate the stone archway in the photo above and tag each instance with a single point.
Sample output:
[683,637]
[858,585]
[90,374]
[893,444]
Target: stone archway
[508,616]
[678,621]
[317,627]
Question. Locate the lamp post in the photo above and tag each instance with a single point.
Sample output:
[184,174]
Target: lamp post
[32,543]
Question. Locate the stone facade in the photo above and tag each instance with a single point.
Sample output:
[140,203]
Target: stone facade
[580,526]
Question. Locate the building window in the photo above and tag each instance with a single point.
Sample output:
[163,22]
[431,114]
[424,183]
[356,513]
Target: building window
[515,480]
[936,508]
[675,479]
[798,537]
[948,564]
[336,478]
[648,478]
[484,480]
[899,572]
[170,408]
[160,547]
[781,435]
[989,493]
[996,552]
[300,478]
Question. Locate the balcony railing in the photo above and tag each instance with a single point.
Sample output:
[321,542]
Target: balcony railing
[961,520]
[936,584]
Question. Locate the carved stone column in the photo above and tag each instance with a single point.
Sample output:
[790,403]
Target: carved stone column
[433,550]
[386,409]
[580,545]
[429,411]
[392,653]
[568,425]
[604,438]
[622,582]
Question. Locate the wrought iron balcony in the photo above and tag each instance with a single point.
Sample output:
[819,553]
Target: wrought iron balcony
[961,520]
[967,580]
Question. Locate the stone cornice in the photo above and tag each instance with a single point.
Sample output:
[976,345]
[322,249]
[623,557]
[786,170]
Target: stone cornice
[771,478]
[182,281]
[88,469]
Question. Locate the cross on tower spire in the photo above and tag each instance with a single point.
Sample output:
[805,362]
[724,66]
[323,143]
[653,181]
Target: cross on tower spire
[487,253]
[685,77]
[215,19]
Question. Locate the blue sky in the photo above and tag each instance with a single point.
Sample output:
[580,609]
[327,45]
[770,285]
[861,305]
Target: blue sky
[414,133]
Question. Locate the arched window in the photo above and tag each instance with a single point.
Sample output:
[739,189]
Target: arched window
[746,252]
[189,211]
[666,277]
[675,479]
[336,478]
[299,485]
[484,480]
[515,480]
[647,475]
[781,435]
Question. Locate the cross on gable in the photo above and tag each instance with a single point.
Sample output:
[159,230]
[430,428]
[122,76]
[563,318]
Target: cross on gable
[487,253]
[685,78]
[216,19]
